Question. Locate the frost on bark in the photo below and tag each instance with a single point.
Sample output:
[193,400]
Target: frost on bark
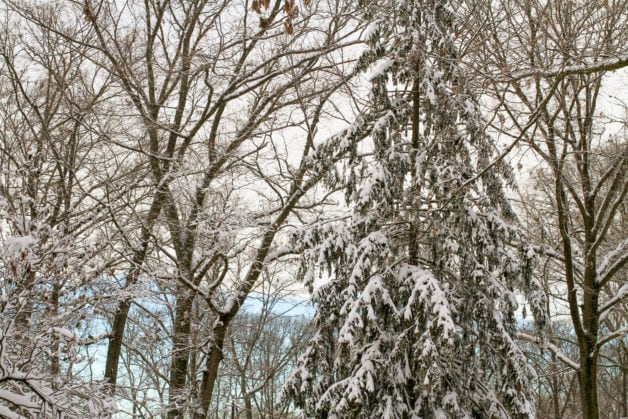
[415,313]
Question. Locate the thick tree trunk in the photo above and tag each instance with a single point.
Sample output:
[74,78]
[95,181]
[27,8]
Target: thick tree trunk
[587,378]
[180,353]
[590,310]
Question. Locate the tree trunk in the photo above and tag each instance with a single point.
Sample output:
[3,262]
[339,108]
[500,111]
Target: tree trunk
[587,378]
[624,384]
[180,353]
[53,307]
[248,407]
[25,312]
[114,348]
[555,388]
[211,368]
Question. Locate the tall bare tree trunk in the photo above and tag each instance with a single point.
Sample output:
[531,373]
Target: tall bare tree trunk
[180,353]
[587,378]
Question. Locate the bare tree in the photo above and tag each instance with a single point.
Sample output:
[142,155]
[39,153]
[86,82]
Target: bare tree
[545,64]
[538,213]
[264,341]
[46,212]
[213,92]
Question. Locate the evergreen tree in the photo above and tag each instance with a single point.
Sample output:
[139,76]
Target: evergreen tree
[416,315]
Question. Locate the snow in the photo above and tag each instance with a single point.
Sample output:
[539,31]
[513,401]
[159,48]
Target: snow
[18,245]
[383,122]
[605,265]
[429,92]
[607,307]
[376,177]
[66,333]
[439,414]
[469,107]
[451,400]
[426,291]
[18,399]
[380,69]
[7,413]
[370,30]
[609,64]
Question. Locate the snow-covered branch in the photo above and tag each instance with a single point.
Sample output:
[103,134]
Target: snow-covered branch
[606,308]
[610,64]
[553,348]
[617,334]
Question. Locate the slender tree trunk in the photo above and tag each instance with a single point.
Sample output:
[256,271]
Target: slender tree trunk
[624,383]
[555,388]
[25,313]
[114,348]
[53,307]
[568,395]
[248,407]
[211,368]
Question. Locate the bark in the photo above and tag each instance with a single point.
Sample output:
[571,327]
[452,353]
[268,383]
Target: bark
[180,354]
[53,309]
[587,379]
[555,388]
[211,369]
[114,348]
[624,384]
[248,407]
[590,312]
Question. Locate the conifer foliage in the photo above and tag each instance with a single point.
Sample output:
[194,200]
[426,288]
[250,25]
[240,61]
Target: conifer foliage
[415,316]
